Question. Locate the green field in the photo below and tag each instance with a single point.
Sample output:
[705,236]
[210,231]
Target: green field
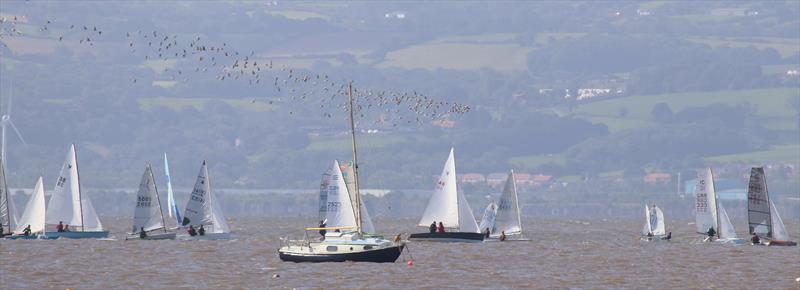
[199,103]
[771,104]
[462,53]
[365,141]
[784,153]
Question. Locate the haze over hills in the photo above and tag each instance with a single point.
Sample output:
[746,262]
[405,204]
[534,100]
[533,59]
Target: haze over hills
[588,93]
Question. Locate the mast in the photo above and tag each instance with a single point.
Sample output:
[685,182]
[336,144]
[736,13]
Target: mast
[716,202]
[516,200]
[80,196]
[769,205]
[357,206]
[160,210]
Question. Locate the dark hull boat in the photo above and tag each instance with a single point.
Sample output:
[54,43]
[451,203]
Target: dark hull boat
[458,237]
[382,255]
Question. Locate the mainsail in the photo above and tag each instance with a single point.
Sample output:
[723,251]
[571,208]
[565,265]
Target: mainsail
[349,178]
[8,213]
[488,219]
[67,204]
[443,204]
[758,205]
[198,209]
[648,223]
[147,213]
[171,205]
[657,221]
[508,216]
[339,207]
[706,202]
[34,211]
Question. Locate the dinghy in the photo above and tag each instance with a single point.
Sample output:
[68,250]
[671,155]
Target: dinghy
[488,218]
[33,216]
[709,213]
[449,206]
[148,219]
[654,225]
[68,205]
[203,209]
[8,212]
[341,208]
[508,221]
[762,215]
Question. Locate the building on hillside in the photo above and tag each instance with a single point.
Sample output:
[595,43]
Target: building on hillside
[496,179]
[473,178]
[657,178]
[540,179]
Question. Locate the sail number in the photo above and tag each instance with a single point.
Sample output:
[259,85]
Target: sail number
[143,201]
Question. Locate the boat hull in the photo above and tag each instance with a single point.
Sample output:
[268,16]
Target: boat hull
[77,235]
[31,237]
[383,255]
[781,243]
[448,237]
[159,236]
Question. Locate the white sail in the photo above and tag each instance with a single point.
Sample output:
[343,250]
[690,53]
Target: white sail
[779,232]
[648,223]
[8,212]
[466,220]
[349,178]
[219,224]
[198,209]
[726,230]
[147,213]
[172,207]
[67,204]
[339,207]
[34,211]
[488,219]
[706,202]
[443,206]
[508,218]
[659,228]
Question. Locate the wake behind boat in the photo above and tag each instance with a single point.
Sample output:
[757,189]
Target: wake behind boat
[450,209]
[69,205]
[762,216]
[148,218]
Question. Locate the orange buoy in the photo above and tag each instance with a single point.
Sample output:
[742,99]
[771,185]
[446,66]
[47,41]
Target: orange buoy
[410,263]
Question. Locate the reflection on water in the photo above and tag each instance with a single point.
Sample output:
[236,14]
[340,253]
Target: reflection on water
[564,254]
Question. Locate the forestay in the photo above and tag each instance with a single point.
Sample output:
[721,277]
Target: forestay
[67,204]
[34,214]
[8,213]
[759,218]
[147,213]
[508,217]
[705,203]
[443,204]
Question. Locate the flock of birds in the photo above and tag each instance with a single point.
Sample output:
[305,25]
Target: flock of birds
[182,58]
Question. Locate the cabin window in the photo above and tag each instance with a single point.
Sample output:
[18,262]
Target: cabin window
[331,249]
[367,247]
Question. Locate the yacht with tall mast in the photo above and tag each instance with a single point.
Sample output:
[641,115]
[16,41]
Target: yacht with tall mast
[344,236]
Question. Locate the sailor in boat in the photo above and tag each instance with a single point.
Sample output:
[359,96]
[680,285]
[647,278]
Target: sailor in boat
[649,236]
[201,231]
[60,227]
[66,228]
[755,239]
[142,233]
[441,227]
[711,233]
[432,228]
[486,233]
[1,231]
[502,236]
[322,230]
[27,231]
[191,231]
[668,237]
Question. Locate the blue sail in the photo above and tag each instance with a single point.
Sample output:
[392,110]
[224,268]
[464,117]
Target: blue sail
[173,207]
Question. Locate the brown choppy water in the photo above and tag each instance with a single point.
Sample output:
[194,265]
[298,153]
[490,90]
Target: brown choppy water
[563,254]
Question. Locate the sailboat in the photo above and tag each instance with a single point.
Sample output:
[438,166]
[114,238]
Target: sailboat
[345,238]
[172,207]
[34,215]
[8,212]
[449,206]
[67,204]
[203,209]
[509,221]
[709,213]
[654,224]
[762,215]
[147,216]
[488,218]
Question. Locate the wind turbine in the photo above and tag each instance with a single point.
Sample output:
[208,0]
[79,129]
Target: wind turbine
[5,120]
